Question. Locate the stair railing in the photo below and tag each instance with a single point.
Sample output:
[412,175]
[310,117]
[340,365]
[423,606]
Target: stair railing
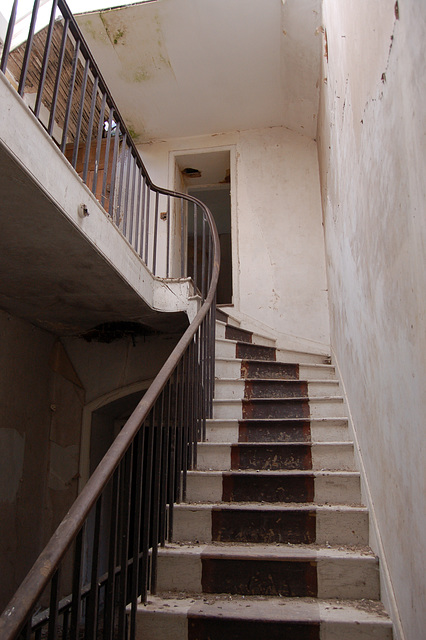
[102,559]
[55,73]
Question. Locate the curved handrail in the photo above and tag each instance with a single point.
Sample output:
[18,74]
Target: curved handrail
[148,460]
[22,603]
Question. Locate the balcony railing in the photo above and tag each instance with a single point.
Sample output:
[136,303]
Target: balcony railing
[55,73]
[102,559]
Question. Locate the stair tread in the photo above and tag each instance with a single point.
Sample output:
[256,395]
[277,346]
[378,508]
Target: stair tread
[329,381]
[252,420]
[275,444]
[332,473]
[270,608]
[280,399]
[319,365]
[280,551]
[270,506]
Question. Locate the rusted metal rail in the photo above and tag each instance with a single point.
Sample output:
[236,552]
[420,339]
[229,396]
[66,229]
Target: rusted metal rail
[102,559]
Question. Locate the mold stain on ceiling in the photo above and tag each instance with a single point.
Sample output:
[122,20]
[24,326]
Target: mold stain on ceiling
[181,68]
[140,49]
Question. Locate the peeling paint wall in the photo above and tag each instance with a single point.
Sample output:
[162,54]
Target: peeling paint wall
[373,167]
[278,256]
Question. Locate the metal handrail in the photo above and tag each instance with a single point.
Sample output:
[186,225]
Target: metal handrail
[71,100]
[126,508]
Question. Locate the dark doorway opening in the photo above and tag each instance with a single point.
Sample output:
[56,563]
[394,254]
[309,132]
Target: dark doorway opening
[207,176]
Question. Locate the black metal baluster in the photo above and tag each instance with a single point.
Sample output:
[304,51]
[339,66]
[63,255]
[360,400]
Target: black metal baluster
[93,597]
[76,585]
[148,201]
[58,75]
[182,240]
[171,490]
[196,398]
[125,491]
[147,492]
[212,353]
[138,464]
[126,192]
[46,55]
[154,249]
[142,229]
[112,561]
[70,95]
[192,430]
[65,624]
[122,161]
[9,35]
[90,128]
[80,114]
[26,631]
[158,437]
[195,246]
[106,158]
[132,204]
[203,261]
[203,379]
[99,143]
[169,222]
[178,451]
[28,48]
[185,418]
[114,170]
[52,632]
[165,466]
[138,212]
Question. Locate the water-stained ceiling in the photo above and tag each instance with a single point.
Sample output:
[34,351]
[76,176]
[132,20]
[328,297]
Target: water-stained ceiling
[191,67]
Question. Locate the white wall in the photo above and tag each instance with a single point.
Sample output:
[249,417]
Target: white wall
[276,227]
[373,167]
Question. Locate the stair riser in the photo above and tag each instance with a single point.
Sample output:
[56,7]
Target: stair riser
[225,457]
[270,431]
[327,408]
[256,369]
[322,577]
[321,526]
[302,488]
[239,389]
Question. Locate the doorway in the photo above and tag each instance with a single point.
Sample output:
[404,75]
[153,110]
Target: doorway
[207,176]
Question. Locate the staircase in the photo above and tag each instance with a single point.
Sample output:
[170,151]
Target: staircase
[273,540]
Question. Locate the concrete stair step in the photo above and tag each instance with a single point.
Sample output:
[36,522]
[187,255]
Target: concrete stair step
[278,430]
[222,316]
[272,570]
[252,618]
[257,388]
[226,331]
[234,368]
[268,524]
[320,487]
[233,349]
[320,407]
[275,456]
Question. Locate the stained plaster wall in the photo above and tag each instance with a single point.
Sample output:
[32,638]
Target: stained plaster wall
[278,257]
[373,163]
[39,436]
[46,387]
